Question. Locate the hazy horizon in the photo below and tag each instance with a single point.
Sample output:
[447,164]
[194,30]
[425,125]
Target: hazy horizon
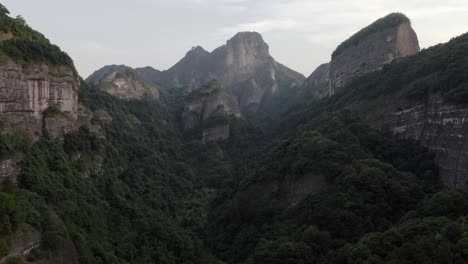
[301,34]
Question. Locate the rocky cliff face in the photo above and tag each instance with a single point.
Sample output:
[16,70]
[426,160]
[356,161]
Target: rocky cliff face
[437,124]
[123,82]
[244,65]
[317,84]
[208,108]
[368,50]
[26,92]
[422,97]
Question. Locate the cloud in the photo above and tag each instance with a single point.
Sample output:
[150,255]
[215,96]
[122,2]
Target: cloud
[262,26]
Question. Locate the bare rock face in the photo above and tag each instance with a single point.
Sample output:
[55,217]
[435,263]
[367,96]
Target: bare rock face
[208,108]
[435,123]
[123,82]
[10,168]
[27,92]
[244,54]
[317,83]
[371,48]
[244,65]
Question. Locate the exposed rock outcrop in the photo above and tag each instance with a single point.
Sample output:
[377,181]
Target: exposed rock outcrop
[123,82]
[244,65]
[208,108]
[26,92]
[317,84]
[422,97]
[368,50]
[435,123]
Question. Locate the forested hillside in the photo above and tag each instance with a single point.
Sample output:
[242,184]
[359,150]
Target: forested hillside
[317,184]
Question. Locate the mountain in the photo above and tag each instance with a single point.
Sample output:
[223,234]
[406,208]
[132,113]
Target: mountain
[243,65]
[386,39]
[361,176]
[149,74]
[318,82]
[208,108]
[123,82]
[38,99]
[422,97]
[39,83]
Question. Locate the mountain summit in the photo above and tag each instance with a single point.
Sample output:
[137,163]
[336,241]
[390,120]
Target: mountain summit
[369,49]
[243,64]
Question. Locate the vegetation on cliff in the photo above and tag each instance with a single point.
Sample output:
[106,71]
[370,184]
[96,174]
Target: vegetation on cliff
[439,69]
[381,24]
[29,46]
[323,187]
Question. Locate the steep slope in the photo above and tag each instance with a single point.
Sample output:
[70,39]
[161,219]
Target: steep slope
[35,76]
[317,84]
[38,97]
[149,74]
[304,200]
[208,108]
[329,190]
[369,49]
[244,65]
[421,97]
[123,82]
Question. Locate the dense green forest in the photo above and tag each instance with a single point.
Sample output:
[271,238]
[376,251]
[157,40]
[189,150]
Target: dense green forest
[141,195]
[321,186]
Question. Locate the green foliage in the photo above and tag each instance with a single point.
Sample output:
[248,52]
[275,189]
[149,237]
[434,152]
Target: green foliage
[25,51]
[381,24]
[29,46]
[121,197]
[3,10]
[208,89]
[362,194]
[420,240]
[219,118]
[13,260]
[9,144]
[52,111]
[439,69]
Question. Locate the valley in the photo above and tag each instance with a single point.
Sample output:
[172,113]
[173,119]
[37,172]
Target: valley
[229,156]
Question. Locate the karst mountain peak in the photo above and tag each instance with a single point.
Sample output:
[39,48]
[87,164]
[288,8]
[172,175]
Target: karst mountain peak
[230,157]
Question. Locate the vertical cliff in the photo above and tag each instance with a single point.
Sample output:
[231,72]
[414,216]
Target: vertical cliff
[317,84]
[368,50]
[425,98]
[437,124]
[27,92]
[243,64]
[38,88]
[208,110]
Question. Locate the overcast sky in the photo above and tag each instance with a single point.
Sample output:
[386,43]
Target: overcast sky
[301,33]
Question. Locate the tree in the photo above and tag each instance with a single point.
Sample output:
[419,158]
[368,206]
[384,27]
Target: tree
[21,20]
[4,10]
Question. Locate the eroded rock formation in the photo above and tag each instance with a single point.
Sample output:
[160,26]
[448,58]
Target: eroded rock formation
[371,48]
[27,92]
[244,65]
[437,124]
[208,109]
[123,82]
[317,84]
